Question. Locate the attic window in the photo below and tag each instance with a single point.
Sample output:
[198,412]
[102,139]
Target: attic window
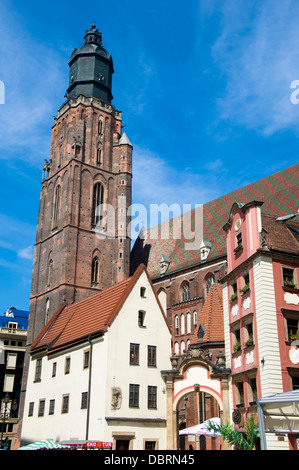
[141,318]
[142,291]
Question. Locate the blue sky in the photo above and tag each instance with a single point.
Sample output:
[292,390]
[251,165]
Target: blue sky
[204,87]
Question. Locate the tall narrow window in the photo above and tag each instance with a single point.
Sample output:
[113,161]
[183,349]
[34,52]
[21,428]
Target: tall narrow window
[50,270]
[97,201]
[152,356]
[99,157]
[134,396]
[65,404]
[56,207]
[95,272]
[152,397]
[38,370]
[134,354]
[185,292]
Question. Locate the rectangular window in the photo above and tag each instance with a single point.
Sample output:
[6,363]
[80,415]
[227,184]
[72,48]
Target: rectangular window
[134,354]
[86,360]
[291,324]
[236,337]
[288,275]
[152,356]
[239,389]
[31,408]
[67,366]
[84,400]
[65,404]
[141,318]
[134,396]
[252,391]
[54,368]
[11,361]
[51,407]
[152,397]
[38,370]
[150,445]
[41,408]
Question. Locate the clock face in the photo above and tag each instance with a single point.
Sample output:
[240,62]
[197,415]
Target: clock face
[238,225]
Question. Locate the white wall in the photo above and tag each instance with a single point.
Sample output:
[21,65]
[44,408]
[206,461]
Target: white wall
[59,426]
[110,367]
[123,331]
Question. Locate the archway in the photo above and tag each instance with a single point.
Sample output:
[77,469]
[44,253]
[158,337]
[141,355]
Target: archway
[201,381]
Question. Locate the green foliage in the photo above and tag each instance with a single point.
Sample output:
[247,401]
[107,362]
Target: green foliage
[241,441]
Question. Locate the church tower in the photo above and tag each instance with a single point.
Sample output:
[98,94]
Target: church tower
[85,191]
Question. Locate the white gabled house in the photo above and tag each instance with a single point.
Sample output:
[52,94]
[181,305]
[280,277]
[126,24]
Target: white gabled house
[95,370]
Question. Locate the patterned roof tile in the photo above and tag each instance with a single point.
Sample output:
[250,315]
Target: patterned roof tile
[280,195]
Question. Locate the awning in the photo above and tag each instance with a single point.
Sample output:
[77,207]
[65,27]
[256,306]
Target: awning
[202,429]
[278,414]
[44,445]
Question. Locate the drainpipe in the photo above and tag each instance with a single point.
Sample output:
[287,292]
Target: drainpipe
[89,389]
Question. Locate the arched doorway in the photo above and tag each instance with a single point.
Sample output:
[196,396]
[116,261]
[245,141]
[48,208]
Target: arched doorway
[196,380]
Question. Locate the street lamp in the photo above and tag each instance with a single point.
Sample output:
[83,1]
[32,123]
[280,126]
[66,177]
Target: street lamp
[4,415]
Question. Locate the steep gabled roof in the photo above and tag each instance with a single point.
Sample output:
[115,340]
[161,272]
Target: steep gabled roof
[76,322]
[282,236]
[211,318]
[279,193]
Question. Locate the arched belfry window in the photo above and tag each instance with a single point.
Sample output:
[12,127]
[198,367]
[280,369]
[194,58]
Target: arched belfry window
[56,207]
[97,202]
[95,272]
[185,292]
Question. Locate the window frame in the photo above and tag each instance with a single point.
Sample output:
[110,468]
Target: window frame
[134,390]
[151,356]
[134,354]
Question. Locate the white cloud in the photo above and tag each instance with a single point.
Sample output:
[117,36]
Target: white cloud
[26,253]
[32,74]
[258,55]
[156,182]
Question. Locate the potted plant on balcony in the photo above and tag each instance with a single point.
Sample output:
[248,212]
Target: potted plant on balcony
[245,289]
[237,346]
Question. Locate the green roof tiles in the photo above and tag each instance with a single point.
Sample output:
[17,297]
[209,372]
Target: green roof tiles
[280,195]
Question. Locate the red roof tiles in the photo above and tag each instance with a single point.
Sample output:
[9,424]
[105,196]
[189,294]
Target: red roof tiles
[72,323]
[211,317]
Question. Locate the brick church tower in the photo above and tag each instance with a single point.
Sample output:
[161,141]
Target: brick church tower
[90,166]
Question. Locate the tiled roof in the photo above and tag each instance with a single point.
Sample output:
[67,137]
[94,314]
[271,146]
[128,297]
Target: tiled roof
[211,317]
[72,323]
[280,195]
[281,236]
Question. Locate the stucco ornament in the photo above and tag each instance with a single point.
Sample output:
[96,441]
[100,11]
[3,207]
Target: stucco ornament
[294,352]
[246,303]
[116,398]
[291,298]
